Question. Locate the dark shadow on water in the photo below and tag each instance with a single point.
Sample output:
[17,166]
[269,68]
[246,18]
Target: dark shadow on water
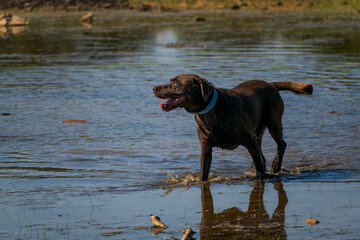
[253,223]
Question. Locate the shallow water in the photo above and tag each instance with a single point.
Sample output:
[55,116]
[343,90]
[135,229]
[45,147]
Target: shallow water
[104,177]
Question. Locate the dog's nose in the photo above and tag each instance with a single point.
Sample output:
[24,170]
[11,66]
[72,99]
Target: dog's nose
[155,89]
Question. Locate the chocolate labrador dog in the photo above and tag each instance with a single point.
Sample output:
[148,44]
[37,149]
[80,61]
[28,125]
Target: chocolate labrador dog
[228,118]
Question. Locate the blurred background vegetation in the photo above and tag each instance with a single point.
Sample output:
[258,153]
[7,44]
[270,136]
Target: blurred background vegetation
[169,5]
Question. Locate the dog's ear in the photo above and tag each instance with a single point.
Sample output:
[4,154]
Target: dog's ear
[205,86]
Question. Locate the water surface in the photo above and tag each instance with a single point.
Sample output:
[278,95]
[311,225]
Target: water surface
[54,176]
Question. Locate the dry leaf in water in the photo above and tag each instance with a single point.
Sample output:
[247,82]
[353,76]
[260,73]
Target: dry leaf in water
[312,221]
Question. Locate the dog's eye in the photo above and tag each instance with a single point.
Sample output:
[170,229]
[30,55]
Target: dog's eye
[174,83]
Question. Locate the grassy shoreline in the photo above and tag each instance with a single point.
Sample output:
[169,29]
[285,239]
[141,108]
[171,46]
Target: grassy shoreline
[180,5]
[262,5]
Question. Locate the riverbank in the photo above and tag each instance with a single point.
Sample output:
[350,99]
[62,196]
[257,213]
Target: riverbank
[176,5]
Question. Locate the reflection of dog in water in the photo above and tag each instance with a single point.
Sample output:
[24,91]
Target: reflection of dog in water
[234,223]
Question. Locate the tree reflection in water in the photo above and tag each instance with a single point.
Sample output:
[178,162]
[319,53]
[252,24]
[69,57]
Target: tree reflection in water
[233,223]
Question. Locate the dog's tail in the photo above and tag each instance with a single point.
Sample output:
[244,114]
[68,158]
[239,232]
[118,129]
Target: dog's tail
[296,87]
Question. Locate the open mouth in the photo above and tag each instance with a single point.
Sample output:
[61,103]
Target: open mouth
[172,103]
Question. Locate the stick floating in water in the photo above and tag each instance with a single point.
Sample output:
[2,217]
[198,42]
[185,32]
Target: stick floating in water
[157,222]
[188,232]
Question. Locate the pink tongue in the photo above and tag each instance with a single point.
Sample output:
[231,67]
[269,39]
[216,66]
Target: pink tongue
[162,104]
[169,102]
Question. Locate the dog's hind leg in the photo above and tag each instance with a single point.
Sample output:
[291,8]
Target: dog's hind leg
[275,129]
[253,147]
[259,132]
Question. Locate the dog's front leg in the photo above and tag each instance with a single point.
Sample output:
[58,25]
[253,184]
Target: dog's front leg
[205,161]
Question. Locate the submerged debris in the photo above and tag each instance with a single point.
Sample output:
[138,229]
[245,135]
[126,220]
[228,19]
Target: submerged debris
[155,230]
[74,121]
[188,232]
[157,222]
[199,19]
[12,20]
[17,21]
[311,221]
[335,112]
[87,17]
[159,225]
[3,21]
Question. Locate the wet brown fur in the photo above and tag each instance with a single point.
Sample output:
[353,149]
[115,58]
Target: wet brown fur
[239,116]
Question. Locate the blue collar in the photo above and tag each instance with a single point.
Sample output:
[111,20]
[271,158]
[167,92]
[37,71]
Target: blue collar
[211,104]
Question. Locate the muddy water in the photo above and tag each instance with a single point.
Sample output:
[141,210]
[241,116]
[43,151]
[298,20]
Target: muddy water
[103,178]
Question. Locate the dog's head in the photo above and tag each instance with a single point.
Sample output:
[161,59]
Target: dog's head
[189,91]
